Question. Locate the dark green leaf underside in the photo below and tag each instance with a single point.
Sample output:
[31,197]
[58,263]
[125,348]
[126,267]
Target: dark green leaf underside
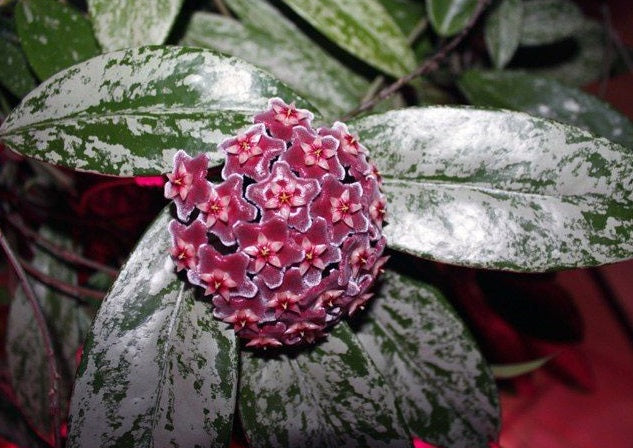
[501,189]
[15,75]
[157,369]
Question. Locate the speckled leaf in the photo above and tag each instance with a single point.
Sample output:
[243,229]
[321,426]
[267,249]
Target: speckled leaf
[442,384]
[502,31]
[264,17]
[406,13]
[54,36]
[363,28]
[584,61]
[500,189]
[15,75]
[548,21]
[128,112]
[157,370]
[503,371]
[15,429]
[26,355]
[546,98]
[449,17]
[331,395]
[295,60]
[122,24]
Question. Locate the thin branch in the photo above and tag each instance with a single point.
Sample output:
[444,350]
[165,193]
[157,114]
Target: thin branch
[428,66]
[219,4]
[40,320]
[58,251]
[77,292]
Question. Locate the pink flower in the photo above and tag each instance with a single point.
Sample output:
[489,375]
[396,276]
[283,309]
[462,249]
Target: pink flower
[224,275]
[284,195]
[185,243]
[250,153]
[270,249]
[280,118]
[225,207]
[187,184]
[291,241]
[313,155]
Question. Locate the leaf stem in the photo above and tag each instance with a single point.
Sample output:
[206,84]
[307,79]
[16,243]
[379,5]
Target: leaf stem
[66,288]
[58,251]
[40,320]
[428,66]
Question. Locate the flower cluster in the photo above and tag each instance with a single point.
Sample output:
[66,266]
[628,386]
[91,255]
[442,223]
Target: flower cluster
[291,240]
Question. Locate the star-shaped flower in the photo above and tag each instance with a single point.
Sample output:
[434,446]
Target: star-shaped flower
[250,153]
[280,118]
[268,336]
[351,153]
[224,275]
[270,248]
[285,195]
[308,329]
[225,207]
[186,240]
[187,185]
[287,296]
[340,204]
[313,155]
[243,319]
[318,250]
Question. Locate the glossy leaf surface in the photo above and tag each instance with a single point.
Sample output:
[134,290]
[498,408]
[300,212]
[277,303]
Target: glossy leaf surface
[122,24]
[157,369]
[502,31]
[295,60]
[27,360]
[548,21]
[363,28]
[128,112]
[54,36]
[501,189]
[330,395]
[15,75]
[547,98]
[449,17]
[442,384]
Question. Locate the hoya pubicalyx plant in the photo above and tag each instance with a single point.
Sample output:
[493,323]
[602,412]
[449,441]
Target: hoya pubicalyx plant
[291,240]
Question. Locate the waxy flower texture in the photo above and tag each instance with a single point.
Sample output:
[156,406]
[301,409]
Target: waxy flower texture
[291,241]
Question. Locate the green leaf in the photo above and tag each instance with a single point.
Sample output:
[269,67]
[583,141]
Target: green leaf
[128,112]
[501,190]
[157,370]
[54,36]
[505,371]
[14,428]
[502,31]
[548,21]
[295,60]
[449,17]
[442,384]
[265,18]
[583,62]
[363,28]
[546,98]
[330,395]
[15,75]
[122,24]
[26,354]
[406,13]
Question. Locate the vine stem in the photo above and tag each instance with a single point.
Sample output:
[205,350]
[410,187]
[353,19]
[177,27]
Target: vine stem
[66,288]
[429,65]
[59,251]
[40,320]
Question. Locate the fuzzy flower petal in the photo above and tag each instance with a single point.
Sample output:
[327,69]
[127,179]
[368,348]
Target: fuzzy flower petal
[187,184]
[281,118]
